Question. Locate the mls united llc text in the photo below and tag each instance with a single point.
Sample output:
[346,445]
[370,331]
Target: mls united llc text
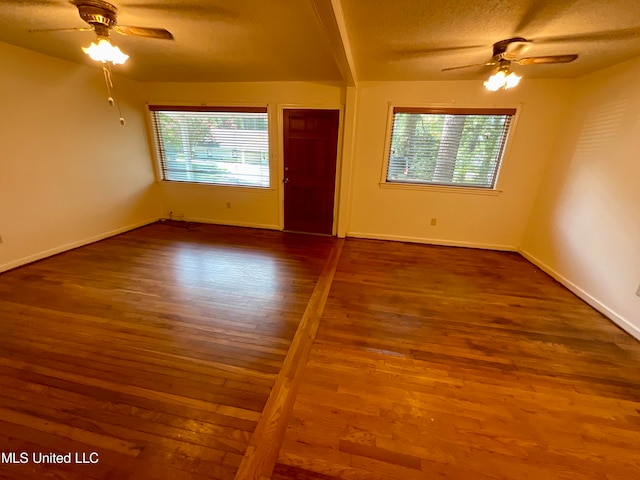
[52,457]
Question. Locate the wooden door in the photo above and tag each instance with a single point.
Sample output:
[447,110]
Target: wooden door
[310,155]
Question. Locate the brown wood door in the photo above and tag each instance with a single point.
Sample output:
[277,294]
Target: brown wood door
[310,155]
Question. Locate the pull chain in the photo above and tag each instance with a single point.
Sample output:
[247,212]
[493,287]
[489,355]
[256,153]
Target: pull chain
[111,91]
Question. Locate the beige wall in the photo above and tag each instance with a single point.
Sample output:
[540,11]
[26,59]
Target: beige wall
[249,206]
[69,173]
[480,220]
[585,229]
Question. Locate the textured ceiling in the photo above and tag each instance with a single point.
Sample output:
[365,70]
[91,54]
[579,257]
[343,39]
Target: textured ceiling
[263,40]
[215,40]
[415,40]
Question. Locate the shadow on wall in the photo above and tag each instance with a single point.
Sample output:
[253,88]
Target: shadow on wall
[588,219]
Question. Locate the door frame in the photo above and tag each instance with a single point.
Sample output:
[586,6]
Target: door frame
[336,196]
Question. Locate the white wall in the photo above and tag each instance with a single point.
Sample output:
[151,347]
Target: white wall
[69,172]
[585,228]
[249,206]
[490,221]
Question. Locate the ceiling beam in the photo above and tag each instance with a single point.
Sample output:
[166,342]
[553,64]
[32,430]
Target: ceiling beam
[331,17]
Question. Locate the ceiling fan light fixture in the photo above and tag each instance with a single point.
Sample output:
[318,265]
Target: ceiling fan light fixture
[495,81]
[511,80]
[502,79]
[104,51]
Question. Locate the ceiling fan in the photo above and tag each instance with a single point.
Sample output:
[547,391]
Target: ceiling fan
[511,50]
[102,17]
[506,52]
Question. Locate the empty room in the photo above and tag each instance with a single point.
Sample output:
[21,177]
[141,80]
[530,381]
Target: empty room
[320,239]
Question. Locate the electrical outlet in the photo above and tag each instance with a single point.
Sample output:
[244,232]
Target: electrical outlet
[637,291]
[228,204]
[434,221]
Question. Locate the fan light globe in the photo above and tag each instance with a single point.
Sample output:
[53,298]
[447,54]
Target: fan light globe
[496,81]
[511,80]
[500,79]
[104,52]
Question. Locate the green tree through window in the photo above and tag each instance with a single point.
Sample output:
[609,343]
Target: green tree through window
[455,147]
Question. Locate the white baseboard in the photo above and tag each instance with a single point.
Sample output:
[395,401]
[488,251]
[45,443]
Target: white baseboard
[70,246]
[432,241]
[619,320]
[230,223]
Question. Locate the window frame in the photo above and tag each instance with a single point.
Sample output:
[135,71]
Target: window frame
[513,110]
[158,163]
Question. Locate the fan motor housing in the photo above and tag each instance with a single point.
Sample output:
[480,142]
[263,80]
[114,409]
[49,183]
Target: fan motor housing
[500,48]
[97,13]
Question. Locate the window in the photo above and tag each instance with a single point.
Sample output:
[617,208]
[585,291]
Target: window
[448,146]
[214,145]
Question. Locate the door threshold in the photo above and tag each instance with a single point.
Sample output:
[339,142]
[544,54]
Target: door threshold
[309,233]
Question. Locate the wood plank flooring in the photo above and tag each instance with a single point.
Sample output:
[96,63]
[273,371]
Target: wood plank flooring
[260,457]
[159,349]
[449,363]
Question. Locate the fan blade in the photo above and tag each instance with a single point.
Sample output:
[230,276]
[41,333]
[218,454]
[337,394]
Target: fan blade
[547,59]
[600,36]
[157,33]
[540,13]
[469,66]
[516,50]
[77,29]
[411,52]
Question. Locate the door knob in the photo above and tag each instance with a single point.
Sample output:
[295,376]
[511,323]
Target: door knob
[286,180]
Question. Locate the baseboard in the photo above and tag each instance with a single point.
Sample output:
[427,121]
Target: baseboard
[619,320]
[432,241]
[70,246]
[232,223]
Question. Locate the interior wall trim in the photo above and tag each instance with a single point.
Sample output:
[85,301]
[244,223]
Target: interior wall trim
[231,223]
[70,246]
[432,241]
[616,318]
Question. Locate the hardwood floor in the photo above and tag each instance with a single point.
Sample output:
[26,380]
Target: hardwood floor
[159,349]
[434,362]
[260,457]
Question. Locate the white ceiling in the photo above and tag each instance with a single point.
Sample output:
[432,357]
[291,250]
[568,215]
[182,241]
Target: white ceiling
[337,40]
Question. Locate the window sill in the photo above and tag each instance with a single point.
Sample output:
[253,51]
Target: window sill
[441,189]
[180,184]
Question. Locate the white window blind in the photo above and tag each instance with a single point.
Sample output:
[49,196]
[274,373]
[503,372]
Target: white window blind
[452,146]
[215,145]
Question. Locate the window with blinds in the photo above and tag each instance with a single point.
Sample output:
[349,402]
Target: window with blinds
[452,146]
[214,145]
